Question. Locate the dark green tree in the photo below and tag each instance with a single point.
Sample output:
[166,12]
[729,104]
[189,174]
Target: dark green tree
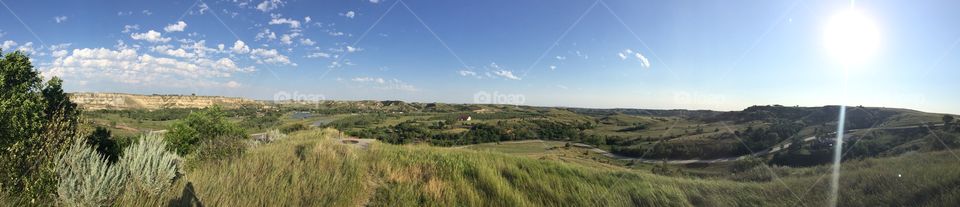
[207,124]
[104,143]
[37,123]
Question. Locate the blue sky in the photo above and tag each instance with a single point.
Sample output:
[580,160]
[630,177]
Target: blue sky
[721,55]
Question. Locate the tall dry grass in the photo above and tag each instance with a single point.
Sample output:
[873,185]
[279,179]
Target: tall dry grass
[311,168]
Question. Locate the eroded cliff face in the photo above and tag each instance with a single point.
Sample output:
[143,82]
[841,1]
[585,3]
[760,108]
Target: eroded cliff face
[97,101]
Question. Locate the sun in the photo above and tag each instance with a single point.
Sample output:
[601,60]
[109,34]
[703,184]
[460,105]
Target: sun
[851,37]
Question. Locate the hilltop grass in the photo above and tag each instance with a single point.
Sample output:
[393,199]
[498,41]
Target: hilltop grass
[311,168]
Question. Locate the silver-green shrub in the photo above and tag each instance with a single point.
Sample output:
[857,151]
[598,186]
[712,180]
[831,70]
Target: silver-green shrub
[86,178]
[275,135]
[150,167]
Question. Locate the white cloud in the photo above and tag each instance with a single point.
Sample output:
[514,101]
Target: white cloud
[127,66]
[349,14]
[263,56]
[353,49]
[7,45]
[375,1]
[467,73]
[292,22]
[146,12]
[150,36]
[268,5]
[560,57]
[307,41]
[167,50]
[266,34]
[384,84]
[27,48]
[553,67]
[307,19]
[178,27]
[319,55]
[628,53]
[286,39]
[506,74]
[643,60]
[130,28]
[59,53]
[335,34]
[240,48]
[204,7]
[60,19]
[368,79]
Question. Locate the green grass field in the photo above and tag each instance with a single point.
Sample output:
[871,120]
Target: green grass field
[311,168]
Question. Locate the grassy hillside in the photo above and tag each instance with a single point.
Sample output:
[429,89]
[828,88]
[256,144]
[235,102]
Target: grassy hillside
[312,168]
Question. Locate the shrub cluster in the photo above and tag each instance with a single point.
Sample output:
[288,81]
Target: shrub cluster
[88,179]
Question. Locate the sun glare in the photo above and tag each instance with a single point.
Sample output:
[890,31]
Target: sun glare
[851,37]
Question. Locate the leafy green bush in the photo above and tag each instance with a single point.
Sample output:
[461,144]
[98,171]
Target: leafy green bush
[289,128]
[187,134]
[37,123]
[87,178]
[150,167]
[101,140]
[219,148]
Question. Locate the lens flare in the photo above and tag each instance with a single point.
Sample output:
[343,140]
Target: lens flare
[851,37]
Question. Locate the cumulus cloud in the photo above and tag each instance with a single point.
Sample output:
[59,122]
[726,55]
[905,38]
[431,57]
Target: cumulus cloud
[150,36]
[506,74]
[319,55]
[271,56]
[286,39]
[292,22]
[240,47]
[127,66]
[266,34]
[268,5]
[178,27]
[383,84]
[349,14]
[467,73]
[353,49]
[130,28]
[60,19]
[167,50]
[8,44]
[307,41]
